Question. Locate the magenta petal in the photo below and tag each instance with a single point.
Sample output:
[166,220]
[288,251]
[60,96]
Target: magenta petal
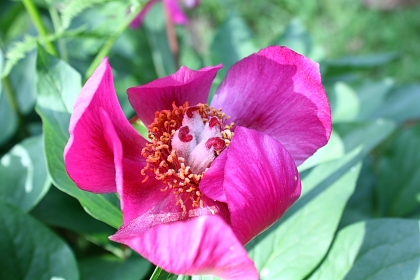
[279,92]
[138,21]
[88,155]
[212,183]
[175,12]
[200,246]
[185,85]
[261,182]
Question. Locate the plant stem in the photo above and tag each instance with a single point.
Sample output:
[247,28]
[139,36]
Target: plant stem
[8,89]
[172,37]
[106,48]
[36,18]
[160,274]
[57,24]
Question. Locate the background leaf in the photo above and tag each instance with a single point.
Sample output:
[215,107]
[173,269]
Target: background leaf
[58,87]
[398,185]
[112,268]
[23,173]
[232,42]
[385,249]
[29,250]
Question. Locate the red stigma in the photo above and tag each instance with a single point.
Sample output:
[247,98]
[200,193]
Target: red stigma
[216,142]
[213,122]
[184,135]
[191,110]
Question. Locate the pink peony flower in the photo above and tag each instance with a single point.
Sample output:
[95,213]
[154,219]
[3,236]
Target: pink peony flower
[204,186]
[173,8]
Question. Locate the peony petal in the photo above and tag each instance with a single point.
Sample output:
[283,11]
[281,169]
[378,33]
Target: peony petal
[138,21]
[212,182]
[175,12]
[185,85]
[279,92]
[88,155]
[202,245]
[261,182]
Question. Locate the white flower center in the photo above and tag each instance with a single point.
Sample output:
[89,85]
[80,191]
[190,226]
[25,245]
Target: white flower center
[197,141]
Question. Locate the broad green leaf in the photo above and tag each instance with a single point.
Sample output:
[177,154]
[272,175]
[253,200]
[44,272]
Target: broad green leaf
[23,172]
[58,87]
[344,102]
[333,150]
[8,117]
[294,246]
[369,133]
[112,268]
[155,26]
[371,96]
[372,60]
[29,250]
[58,209]
[22,80]
[362,204]
[385,249]
[232,42]
[297,38]
[398,171]
[402,104]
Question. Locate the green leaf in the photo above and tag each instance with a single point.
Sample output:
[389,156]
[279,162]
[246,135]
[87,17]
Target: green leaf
[29,250]
[294,246]
[8,117]
[18,51]
[372,96]
[398,171]
[402,104]
[333,150]
[297,38]
[58,87]
[73,8]
[344,102]
[24,174]
[68,214]
[369,133]
[155,26]
[232,42]
[362,204]
[22,80]
[385,249]
[373,60]
[112,268]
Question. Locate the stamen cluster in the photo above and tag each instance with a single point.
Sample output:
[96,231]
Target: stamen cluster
[178,166]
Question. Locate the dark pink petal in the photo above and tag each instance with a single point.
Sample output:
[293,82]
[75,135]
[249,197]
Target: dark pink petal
[138,21]
[175,12]
[185,85]
[88,155]
[212,182]
[279,92]
[261,182]
[200,246]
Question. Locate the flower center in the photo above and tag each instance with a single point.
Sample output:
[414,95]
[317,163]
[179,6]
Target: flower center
[185,141]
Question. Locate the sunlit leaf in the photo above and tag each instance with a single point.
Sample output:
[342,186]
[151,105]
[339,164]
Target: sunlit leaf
[23,172]
[385,249]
